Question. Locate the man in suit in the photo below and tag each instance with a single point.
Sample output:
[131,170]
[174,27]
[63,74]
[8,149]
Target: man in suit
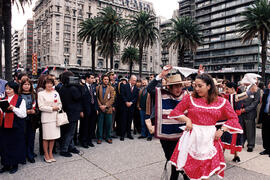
[249,113]
[264,118]
[105,98]
[129,95]
[88,122]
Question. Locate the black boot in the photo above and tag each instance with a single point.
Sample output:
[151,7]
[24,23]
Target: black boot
[13,169]
[4,169]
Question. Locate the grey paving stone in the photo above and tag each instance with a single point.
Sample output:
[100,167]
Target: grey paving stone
[125,155]
[77,169]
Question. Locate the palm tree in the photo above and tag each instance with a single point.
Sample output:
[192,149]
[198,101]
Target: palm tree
[184,35]
[141,31]
[105,50]
[6,22]
[88,33]
[109,29]
[130,56]
[257,23]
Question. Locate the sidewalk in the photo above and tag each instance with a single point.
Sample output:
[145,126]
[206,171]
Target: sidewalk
[133,160]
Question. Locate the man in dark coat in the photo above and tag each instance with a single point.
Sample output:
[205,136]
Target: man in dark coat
[129,95]
[71,97]
[89,120]
[265,119]
[249,113]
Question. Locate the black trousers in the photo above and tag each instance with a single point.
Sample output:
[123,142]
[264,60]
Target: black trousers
[137,121]
[126,120]
[168,148]
[88,127]
[266,131]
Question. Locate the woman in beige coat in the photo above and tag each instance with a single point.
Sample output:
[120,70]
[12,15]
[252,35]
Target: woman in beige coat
[49,103]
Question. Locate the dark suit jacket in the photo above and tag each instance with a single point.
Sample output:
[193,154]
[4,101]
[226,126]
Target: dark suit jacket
[250,105]
[71,97]
[127,95]
[264,102]
[88,107]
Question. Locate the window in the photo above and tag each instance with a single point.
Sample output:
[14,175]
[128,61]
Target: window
[66,50]
[100,63]
[79,62]
[66,62]
[57,36]
[57,26]
[116,66]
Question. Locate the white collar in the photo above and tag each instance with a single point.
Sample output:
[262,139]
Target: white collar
[210,107]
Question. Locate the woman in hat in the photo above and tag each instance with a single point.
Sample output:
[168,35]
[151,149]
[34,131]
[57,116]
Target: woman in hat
[199,151]
[12,140]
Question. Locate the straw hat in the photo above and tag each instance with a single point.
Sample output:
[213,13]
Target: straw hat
[174,79]
[216,82]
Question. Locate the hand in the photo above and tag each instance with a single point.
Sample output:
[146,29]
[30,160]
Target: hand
[55,108]
[139,108]
[81,115]
[165,71]
[243,110]
[97,112]
[10,108]
[102,107]
[218,134]
[128,104]
[113,109]
[31,111]
[188,125]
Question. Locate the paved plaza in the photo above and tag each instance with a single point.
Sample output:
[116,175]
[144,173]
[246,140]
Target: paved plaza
[133,160]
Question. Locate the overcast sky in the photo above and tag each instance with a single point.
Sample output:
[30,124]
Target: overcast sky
[163,8]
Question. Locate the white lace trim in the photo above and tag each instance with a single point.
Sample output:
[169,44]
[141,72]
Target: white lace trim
[237,131]
[212,107]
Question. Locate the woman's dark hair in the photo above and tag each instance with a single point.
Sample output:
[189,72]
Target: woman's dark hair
[21,75]
[31,91]
[13,86]
[212,92]
[261,85]
[234,85]
[48,79]
[41,80]
[65,77]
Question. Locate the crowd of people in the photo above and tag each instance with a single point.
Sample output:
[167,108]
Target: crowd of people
[195,120]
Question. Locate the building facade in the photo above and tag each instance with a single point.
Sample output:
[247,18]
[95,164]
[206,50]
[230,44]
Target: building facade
[15,50]
[56,42]
[222,52]
[26,46]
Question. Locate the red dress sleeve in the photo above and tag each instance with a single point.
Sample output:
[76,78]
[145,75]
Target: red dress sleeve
[181,107]
[232,119]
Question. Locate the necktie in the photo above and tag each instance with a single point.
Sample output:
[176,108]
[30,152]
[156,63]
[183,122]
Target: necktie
[91,94]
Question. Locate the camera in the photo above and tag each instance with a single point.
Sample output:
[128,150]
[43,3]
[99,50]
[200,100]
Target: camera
[72,80]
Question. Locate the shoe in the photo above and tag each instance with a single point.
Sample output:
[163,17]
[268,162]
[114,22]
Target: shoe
[4,169]
[130,137]
[122,138]
[91,144]
[47,161]
[109,141]
[13,169]
[53,160]
[99,141]
[149,139]
[236,159]
[35,155]
[32,160]
[24,162]
[74,151]
[250,150]
[84,145]
[141,137]
[65,154]
[264,152]
[113,136]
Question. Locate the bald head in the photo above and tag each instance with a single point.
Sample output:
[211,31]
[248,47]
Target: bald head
[133,80]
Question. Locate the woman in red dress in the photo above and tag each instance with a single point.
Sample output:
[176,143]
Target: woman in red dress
[199,151]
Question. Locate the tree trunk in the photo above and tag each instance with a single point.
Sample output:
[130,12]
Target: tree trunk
[111,54]
[7,26]
[263,53]
[140,59]
[181,54]
[93,49]
[130,68]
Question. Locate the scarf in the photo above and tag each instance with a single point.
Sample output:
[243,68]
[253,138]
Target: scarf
[9,116]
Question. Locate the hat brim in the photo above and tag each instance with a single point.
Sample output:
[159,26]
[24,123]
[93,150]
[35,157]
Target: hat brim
[177,82]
